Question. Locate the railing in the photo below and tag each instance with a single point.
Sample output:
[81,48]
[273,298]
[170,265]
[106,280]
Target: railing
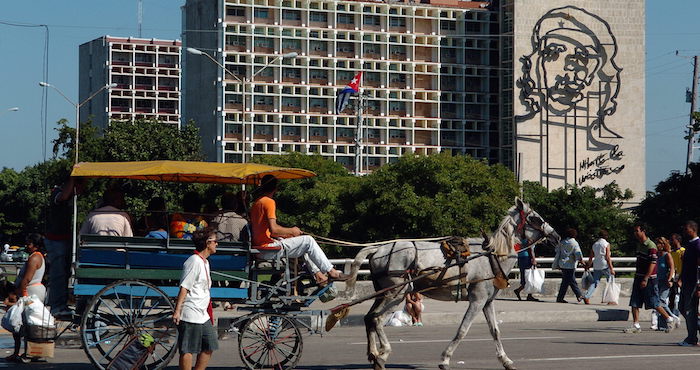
[545,263]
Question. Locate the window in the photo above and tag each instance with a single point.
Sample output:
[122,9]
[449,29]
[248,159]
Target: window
[263,130]
[346,19]
[232,40]
[318,46]
[345,47]
[397,134]
[262,13]
[292,15]
[313,34]
[291,131]
[397,50]
[372,76]
[235,11]
[318,131]
[397,22]
[371,20]
[291,73]
[318,17]
[371,48]
[373,133]
[318,103]
[397,77]
[397,106]
[344,76]
[291,44]
[291,102]
[318,74]
[264,42]
[263,100]
[346,132]
[448,25]
[393,11]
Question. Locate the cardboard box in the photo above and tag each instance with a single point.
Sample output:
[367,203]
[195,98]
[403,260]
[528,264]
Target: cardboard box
[40,349]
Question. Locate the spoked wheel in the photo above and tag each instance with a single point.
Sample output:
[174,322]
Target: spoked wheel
[269,341]
[125,309]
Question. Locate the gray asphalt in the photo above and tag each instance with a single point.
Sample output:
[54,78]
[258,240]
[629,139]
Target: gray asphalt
[532,346]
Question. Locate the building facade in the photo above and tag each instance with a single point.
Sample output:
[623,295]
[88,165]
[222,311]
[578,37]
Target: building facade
[574,92]
[428,77]
[147,77]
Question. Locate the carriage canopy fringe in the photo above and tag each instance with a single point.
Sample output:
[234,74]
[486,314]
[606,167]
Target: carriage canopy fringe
[186,171]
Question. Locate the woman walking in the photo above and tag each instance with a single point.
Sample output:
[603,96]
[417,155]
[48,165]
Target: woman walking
[601,262]
[665,271]
[29,284]
[568,255]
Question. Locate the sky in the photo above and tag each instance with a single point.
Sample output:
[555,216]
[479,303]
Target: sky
[71,23]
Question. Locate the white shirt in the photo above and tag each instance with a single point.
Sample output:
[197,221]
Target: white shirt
[599,250]
[107,220]
[195,278]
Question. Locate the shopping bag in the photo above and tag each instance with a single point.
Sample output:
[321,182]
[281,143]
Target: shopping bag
[534,281]
[37,314]
[12,321]
[134,353]
[611,294]
[586,280]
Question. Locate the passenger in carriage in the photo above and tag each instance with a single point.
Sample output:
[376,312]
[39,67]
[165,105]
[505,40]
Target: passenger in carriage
[184,224]
[229,224]
[109,219]
[263,221]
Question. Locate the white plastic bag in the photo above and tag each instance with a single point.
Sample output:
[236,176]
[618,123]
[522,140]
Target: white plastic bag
[611,294]
[37,314]
[534,280]
[12,321]
[399,318]
[586,280]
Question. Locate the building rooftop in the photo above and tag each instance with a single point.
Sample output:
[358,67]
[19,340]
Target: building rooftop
[463,4]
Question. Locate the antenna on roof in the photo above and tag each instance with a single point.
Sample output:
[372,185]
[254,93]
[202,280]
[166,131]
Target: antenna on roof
[139,15]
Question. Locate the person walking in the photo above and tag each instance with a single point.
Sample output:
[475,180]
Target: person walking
[664,276]
[601,262]
[193,313]
[690,284]
[526,260]
[645,289]
[568,255]
[677,251]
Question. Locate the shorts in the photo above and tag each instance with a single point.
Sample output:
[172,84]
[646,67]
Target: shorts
[648,296]
[196,338]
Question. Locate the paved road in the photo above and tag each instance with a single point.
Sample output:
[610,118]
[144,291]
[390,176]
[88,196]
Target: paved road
[531,346]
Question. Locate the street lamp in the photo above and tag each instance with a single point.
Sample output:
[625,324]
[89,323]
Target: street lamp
[244,82]
[77,140]
[77,109]
[13,109]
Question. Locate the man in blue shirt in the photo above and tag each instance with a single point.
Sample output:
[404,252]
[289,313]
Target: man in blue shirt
[690,284]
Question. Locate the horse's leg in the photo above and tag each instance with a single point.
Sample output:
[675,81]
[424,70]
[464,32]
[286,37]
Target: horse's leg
[490,313]
[477,298]
[371,329]
[384,345]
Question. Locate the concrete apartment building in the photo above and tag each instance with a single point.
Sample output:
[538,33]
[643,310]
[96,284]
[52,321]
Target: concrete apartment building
[147,74]
[428,91]
[494,80]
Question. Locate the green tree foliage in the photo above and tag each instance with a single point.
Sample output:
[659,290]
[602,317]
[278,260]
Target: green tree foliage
[585,209]
[674,201]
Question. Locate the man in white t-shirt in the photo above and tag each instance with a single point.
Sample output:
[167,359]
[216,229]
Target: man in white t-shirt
[193,314]
[109,219]
[601,262]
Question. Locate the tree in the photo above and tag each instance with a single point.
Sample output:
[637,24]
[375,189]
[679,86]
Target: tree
[673,202]
[585,209]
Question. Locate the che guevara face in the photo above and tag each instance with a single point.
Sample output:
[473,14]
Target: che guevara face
[569,59]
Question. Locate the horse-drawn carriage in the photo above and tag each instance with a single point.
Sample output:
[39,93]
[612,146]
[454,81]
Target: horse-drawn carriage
[129,283]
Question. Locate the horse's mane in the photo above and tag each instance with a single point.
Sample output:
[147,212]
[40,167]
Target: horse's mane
[502,239]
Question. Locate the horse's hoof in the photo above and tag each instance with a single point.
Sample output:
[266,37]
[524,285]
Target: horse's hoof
[378,364]
[509,365]
[444,367]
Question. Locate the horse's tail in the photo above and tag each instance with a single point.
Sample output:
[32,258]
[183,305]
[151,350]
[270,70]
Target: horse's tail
[355,267]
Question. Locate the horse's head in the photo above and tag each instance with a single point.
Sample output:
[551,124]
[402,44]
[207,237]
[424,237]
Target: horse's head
[531,228]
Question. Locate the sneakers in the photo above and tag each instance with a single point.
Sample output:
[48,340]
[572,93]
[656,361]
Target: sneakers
[634,329]
[418,324]
[562,301]
[686,344]
[671,324]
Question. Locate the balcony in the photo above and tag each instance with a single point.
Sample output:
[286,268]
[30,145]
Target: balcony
[264,50]
[261,78]
[143,87]
[143,110]
[372,83]
[397,56]
[344,139]
[318,109]
[263,108]
[143,63]
[319,81]
[116,108]
[294,80]
[397,84]
[293,138]
[262,137]
[167,88]
[121,63]
[400,113]
[167,110]
[291,109]
[240,48]
[234,107]
[318,139]
[237,136]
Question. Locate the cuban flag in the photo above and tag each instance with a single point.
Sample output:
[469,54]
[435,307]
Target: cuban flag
[344,95]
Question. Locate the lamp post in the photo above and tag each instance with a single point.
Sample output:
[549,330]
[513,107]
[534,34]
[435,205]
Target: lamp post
[244,83]
[13,109]
[77,140]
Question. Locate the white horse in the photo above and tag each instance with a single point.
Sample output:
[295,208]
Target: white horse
[474,281]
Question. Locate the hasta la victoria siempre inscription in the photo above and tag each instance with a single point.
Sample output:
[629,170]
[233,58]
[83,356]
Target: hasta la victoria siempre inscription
[601,165]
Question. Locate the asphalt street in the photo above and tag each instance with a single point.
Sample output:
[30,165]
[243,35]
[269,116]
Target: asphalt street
[532,346]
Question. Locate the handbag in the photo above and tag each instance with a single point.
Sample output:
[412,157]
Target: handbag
[12,321]
[587,280]
[611,294]
[534,280]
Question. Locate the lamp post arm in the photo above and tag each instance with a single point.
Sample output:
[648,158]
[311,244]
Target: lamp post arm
[223,67]
[91,96]
[63,95]
[265,66]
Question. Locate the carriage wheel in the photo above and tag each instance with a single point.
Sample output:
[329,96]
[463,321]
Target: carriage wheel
[124,309]
[269,341]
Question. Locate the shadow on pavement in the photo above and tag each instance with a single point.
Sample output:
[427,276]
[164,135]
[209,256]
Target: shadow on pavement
[626,344]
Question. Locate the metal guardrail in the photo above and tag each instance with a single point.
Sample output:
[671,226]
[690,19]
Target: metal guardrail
[545,263]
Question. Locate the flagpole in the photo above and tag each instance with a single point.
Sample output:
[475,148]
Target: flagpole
[358,134]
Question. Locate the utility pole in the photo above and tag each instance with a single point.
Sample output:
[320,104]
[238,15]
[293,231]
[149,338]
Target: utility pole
[139,15]
[691,132]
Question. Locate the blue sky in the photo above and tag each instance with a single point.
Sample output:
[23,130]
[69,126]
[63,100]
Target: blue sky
[71,23]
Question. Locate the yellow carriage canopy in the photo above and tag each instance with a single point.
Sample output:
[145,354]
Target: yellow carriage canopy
[185,171]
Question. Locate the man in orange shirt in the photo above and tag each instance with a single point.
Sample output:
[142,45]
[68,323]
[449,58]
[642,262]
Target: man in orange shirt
[264,227]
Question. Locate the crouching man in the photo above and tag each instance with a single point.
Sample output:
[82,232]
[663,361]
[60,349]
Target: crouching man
[193,311]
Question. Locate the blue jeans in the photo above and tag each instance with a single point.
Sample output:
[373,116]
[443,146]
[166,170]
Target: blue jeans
[568,279]
[597,275]
[58,256]
[689,309]
[664,291]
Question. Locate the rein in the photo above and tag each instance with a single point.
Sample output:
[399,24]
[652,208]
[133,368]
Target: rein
[343,243]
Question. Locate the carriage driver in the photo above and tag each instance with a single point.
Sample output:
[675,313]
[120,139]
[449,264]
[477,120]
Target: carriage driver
[264,226]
